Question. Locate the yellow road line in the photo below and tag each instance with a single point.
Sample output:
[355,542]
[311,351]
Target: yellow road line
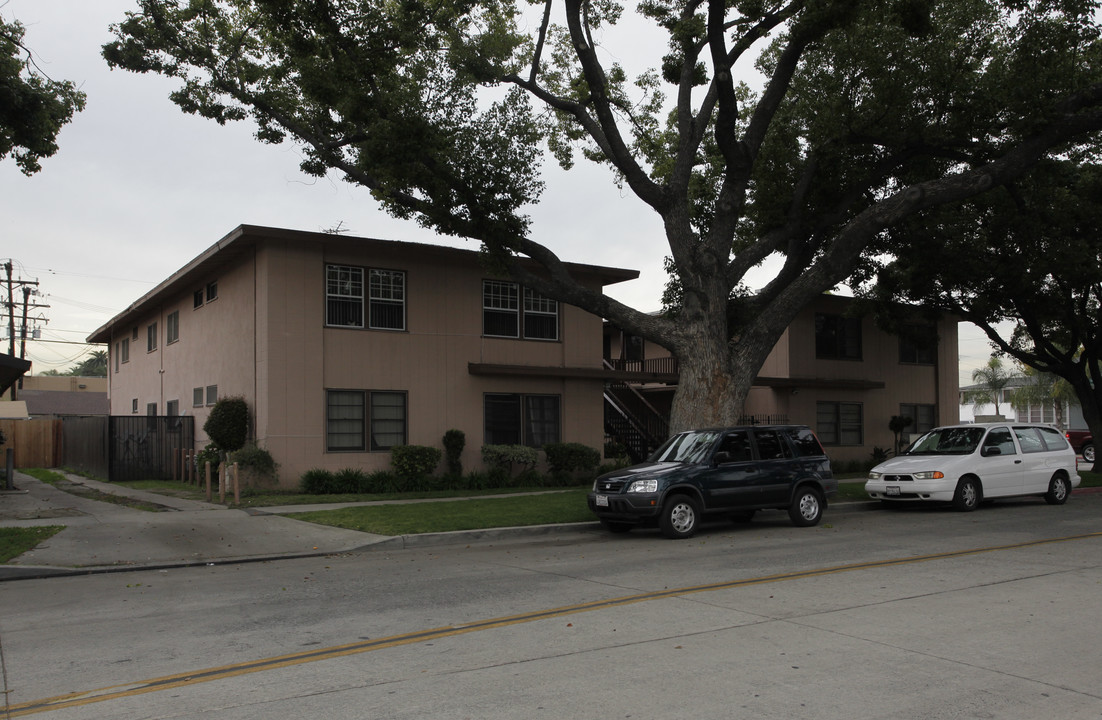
[167,682]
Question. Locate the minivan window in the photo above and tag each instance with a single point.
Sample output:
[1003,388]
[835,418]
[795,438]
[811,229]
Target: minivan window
[1030,439]
[688,447]
[1054,439]
[999,438]
[948,441]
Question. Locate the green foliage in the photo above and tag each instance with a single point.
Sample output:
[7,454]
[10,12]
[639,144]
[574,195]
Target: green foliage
[413,463]
[15,541]
[565,459]
[228,424]
[880,454]
[255,458]
[210,454]
[33,108]
[454,442]
[501,459]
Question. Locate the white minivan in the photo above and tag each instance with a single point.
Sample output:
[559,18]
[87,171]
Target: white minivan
[965,464]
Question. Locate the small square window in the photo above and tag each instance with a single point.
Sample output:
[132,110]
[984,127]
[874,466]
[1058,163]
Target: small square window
[134,405]
[172,408]
[197,397]
[212,394]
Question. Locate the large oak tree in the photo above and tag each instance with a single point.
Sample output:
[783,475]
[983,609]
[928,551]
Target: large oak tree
[869,112]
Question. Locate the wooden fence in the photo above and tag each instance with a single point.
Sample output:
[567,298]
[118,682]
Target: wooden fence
[37,443]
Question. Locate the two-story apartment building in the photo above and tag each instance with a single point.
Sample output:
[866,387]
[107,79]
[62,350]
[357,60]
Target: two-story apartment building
[344,347]
[833,370]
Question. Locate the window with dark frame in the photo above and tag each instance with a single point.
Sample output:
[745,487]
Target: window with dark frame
[172,327]
[124,353]
[197,397]
[516,419]
[344,296]
[172,408]
[388,419]
[504,315]
[387,300]
[151,409]
[358,420]
[151,338]
[840,423]
[134,406]
[198,299]
[837,337]
[212,394]
[918,344]
[212,291]
[922,416]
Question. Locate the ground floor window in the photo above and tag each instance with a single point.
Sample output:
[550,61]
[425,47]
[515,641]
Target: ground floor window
[840,423]
[517,419]
[922,417]
[359,419]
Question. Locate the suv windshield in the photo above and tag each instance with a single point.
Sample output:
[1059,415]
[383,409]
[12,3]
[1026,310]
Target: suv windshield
[948,441]
[688,447]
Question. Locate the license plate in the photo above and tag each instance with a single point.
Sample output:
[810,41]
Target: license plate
[602,501]
[891,490]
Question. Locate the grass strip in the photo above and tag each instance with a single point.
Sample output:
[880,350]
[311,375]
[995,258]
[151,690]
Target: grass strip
[476,514]
[15,541]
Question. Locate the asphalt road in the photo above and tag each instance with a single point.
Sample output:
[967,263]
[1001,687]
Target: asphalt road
[911,613]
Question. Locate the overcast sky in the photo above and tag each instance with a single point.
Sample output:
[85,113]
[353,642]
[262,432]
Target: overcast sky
[138,189]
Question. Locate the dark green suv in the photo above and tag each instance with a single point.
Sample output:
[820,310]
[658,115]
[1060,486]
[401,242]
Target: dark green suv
[724,471]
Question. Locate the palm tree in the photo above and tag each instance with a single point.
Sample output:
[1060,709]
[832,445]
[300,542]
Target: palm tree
[990,381]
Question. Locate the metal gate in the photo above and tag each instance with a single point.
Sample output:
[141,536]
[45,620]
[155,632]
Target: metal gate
[143,447]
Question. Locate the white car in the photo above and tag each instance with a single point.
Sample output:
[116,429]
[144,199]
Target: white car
[966,464]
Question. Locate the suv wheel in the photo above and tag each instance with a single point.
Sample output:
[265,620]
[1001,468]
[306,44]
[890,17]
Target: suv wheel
[806,508]
[680,517]
[1088,453]
[1058,490]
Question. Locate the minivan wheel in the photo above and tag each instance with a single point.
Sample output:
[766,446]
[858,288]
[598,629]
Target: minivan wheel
[1058,490]
[680,517]
[968,495]
[806,508]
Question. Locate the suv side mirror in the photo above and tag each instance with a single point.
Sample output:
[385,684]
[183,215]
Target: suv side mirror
[721,458]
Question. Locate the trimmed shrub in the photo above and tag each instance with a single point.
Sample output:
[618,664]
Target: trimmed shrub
[566,459]
[254,458]
[413,463]
[228,424]
[500,459]
[454,442]
[317,482]
[208,454]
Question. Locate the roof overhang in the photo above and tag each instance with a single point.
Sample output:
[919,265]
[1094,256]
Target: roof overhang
[11,369]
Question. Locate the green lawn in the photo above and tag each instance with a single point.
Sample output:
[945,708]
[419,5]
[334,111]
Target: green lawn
[18,540]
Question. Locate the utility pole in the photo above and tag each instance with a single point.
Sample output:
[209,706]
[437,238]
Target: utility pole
[26,287]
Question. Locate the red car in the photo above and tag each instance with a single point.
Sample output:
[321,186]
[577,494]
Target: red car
[1083,443]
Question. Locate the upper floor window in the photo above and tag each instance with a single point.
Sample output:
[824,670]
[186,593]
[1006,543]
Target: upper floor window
[172,327]
[197,397]
[504,316]
[387,300]
[172,408]
[344,296]
[837,337]
[212,394]
[151,338]
[124,351]
[918,345]
[198,299]
[212,290]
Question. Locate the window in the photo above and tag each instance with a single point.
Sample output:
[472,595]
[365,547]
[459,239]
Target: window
[134,333]
[771,446]
[172,327]
[198,300]
[197,397]
[134,406]
[515,419]
[1030,439]
[502,315]
[212,394]
[387,300]
[840,423]
[918,345]
[344,296]
[125,352]
[837,337]
[348,419]
[345,420]
[172,408]
[151,338]
[500,309]
[921,415]
[151,409]
[541,316]
[388,420]
[117,353]
[212,291]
